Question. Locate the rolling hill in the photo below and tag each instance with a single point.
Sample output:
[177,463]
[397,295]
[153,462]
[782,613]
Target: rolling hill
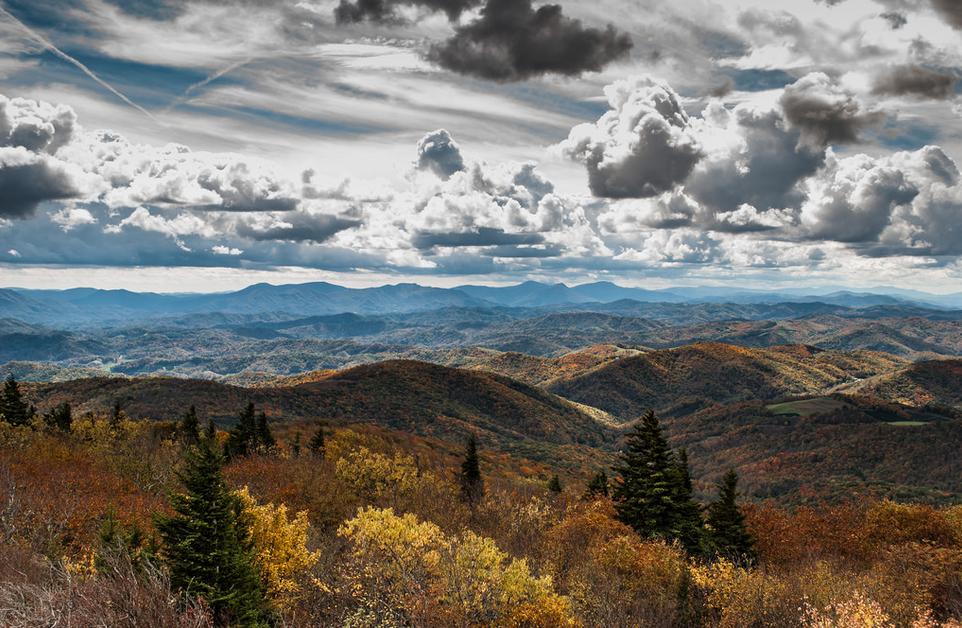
[675,381]
[417,397]
[930,382]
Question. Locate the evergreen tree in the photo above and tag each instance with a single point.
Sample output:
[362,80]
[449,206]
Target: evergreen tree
[60,418]
[206,545]
[189,427]
[13,408]
[728,535]
[117,417]
[211,432]
[316,444]
[598,486]
[296,446]
[689,527]
[472,485]
[243,437]
[554,484]
[264,437]
[645,494]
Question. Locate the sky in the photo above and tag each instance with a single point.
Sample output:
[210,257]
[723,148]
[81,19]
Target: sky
[203,145]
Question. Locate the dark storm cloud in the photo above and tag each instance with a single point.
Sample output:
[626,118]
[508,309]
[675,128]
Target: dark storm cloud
[951,10]
[482,237]
[513,41]
[386,10]
[440,154]
[298,227]
[915,80]
[823,112]
[26,180]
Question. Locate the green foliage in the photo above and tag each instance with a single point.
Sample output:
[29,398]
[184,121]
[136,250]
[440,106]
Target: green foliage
[206,544]
[264,437]
[189,428]
[316,444]
[598,486]
[554,484]
[470,480]
[13,409]
[60,418]
[728,535]
[252,433]
[644,496]
[689,526]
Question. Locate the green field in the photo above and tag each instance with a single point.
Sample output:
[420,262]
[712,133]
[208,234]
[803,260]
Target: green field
[907,423]
[807,407]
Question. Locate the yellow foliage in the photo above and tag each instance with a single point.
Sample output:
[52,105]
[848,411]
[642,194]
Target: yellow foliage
[456,579]
[736,595]
[858,611]
[83,567]
[280,545]
[375,476]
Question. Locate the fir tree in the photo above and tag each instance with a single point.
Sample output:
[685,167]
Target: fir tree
[243,436]
[472,485]
[645,494]
[728,535]
[60,418]
[689,527]
[554,484]
[211,432]
[13,408]
[206,545]
[296,445]
[264,437]
[598,486]
[189,427]
[316,444]
[117,417]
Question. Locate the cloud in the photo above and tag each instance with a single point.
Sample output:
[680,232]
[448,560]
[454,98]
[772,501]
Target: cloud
[294,227]
[440,154]
[71,217]
[513,41]
[895,19]
[854,199]
[641,147]
[951,10]
[914,80]
[36,126]
[824,112]
[383,11]
[28,179]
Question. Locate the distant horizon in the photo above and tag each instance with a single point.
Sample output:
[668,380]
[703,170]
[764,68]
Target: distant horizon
[458,282]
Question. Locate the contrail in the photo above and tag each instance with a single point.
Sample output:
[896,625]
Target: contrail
[46,43]
[213,77]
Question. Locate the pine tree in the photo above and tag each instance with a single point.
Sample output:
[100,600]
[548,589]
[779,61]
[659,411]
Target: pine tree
[554,484]
[296,445]
[13,408]
[117,417]
[645,494]
[60,418]
[472,485]
[689,526]
[189,427]
[728,535]
[211,432]
[316,444]
[598,486]
[206,545]
[243,436]
[264,438]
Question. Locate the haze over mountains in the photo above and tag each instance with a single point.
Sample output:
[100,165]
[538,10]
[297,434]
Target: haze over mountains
[87,306]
